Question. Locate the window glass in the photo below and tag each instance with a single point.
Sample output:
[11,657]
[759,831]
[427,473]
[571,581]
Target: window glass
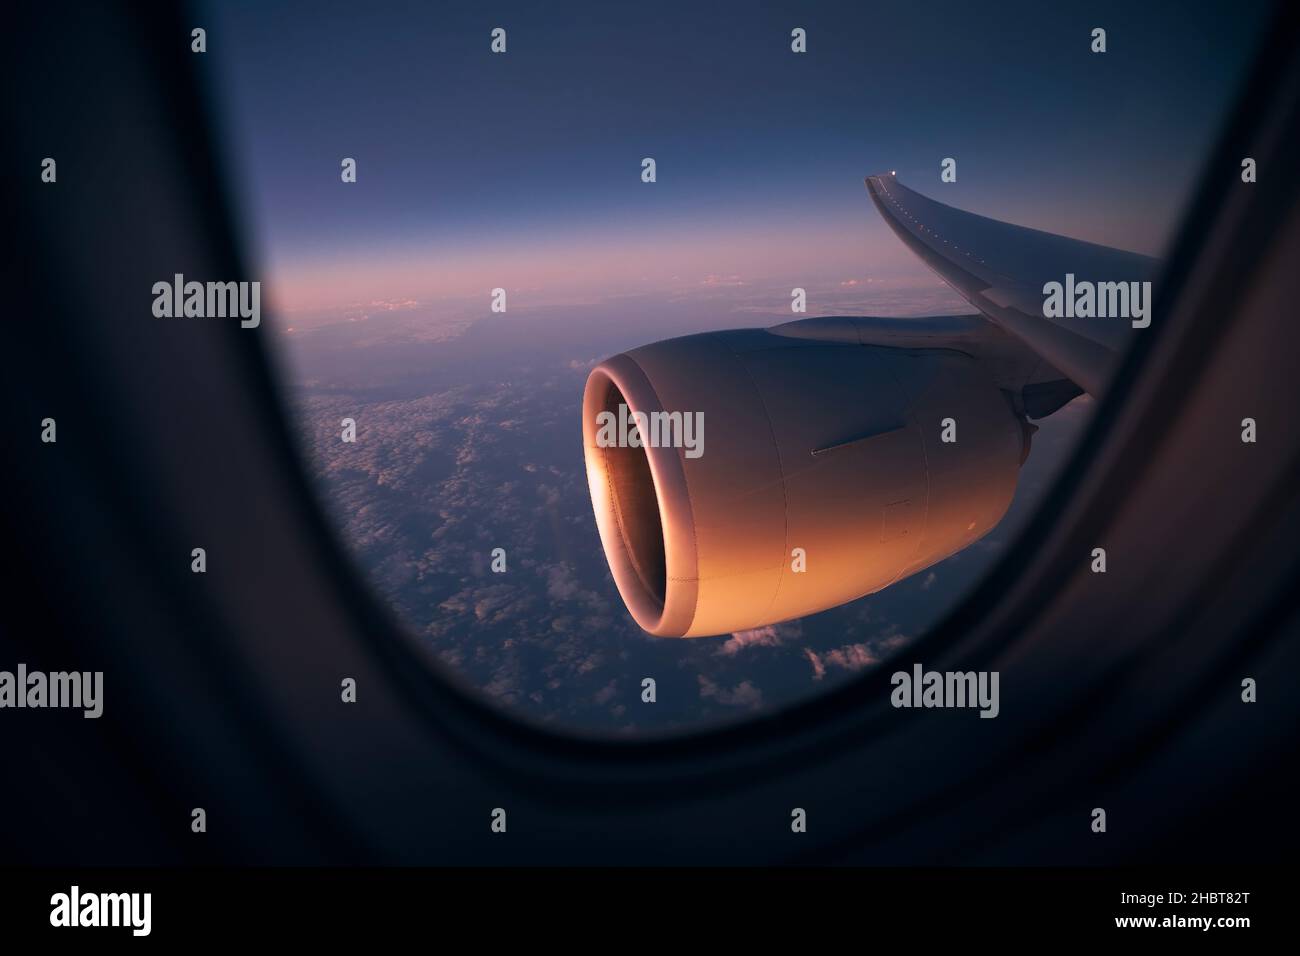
[525,171]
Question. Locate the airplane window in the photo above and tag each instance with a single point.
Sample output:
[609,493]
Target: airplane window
[661,370]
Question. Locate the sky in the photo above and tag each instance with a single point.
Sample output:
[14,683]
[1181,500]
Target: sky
[522,170]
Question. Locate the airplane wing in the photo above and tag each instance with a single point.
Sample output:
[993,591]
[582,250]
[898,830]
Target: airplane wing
[1035,384]
[1001,269]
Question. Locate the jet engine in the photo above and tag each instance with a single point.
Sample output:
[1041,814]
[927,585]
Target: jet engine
[819,472]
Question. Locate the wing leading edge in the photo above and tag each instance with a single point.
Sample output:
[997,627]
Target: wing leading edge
[1001,269]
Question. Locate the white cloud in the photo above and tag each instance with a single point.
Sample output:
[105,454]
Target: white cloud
[771,635]
[850,657]
[744,694]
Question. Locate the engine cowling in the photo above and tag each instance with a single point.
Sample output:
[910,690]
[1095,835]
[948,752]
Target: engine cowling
[832,448]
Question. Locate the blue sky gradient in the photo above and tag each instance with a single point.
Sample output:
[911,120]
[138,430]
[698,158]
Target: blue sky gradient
[474,156]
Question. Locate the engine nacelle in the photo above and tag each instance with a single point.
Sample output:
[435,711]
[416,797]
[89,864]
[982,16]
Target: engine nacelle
[833,448]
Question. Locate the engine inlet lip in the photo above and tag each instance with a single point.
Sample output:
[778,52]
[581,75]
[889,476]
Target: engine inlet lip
[670,613]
